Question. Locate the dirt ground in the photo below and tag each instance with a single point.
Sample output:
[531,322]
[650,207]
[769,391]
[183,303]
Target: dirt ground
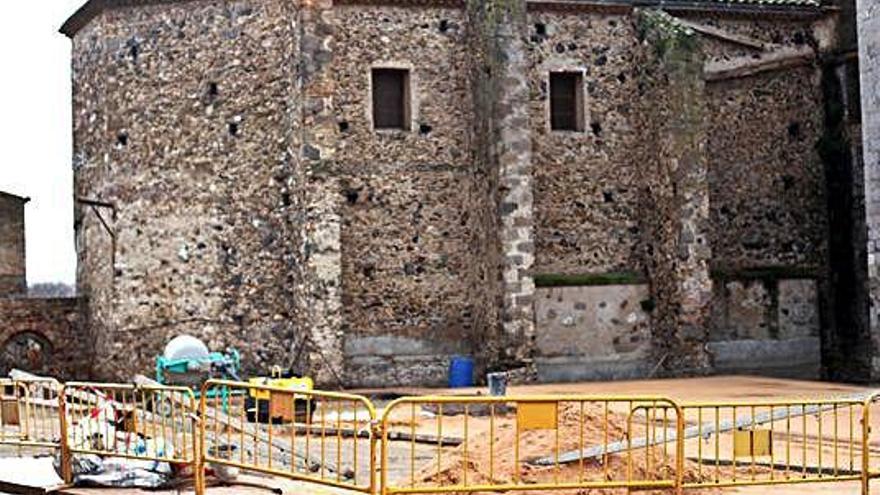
[718,387]
[795,443]
[825,441]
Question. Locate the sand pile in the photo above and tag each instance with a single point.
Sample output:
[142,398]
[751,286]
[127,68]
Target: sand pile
[644,463]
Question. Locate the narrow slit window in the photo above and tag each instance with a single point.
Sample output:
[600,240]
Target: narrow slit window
[566,101]
[391,95]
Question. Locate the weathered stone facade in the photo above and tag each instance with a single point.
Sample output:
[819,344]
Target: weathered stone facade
[675,184]
[12,258]
[186,154]
[869,64]
[593,332]
[231,185]
[766,326]
[587,203]
[42,335]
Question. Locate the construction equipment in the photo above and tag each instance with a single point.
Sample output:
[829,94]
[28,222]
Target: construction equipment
[264,406]
[186,361]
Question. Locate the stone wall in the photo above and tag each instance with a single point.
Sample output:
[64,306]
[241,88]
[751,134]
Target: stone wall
[43,336]
[766,325]
[408,197]
[768,201]
[12,245]
[593,332]
[513,153]
[675,190]
[586,183]
[869,64]
[406,272]
[180,127]
[486,290]
[315,210]
[767,182]
[232,187]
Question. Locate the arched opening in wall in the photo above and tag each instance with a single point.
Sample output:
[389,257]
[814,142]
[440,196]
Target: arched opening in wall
[27,350]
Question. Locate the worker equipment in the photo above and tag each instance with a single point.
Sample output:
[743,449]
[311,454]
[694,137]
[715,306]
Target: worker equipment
[262,404]
[187,362]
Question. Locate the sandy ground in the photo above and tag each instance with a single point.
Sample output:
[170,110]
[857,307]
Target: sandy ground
[701,389]
[720,387]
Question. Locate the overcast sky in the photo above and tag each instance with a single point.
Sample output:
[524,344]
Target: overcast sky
[35,130]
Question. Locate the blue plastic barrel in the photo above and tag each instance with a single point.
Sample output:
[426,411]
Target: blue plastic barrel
[461,372]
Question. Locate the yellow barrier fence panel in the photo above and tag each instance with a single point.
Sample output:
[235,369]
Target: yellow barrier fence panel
[29,415]
[153,423]
[870,464]
[454,444]
[13,431]
[40,414]
[773,442]
[319,437]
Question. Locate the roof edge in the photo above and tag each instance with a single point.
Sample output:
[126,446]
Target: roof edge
[795,8]
[94,8]
[23,199]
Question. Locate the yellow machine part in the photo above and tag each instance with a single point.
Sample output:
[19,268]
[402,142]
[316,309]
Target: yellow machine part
[296,384]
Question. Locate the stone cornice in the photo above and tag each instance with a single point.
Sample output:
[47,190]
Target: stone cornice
[796,8]
[416,3]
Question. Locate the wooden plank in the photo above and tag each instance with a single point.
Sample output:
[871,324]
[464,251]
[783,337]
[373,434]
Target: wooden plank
[722,34]
[19,489]
[393,436]
[277,442]
[739,67]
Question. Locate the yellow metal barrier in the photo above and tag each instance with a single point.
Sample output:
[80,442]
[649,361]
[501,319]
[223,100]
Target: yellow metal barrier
[320,437]
[870,470]
[153,423]
[12,430]
[449,444]
[454,444]
[742,443]
[41,415]
[29,415]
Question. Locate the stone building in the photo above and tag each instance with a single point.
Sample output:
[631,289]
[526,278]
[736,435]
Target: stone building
[869,65]
[12,259]
[575,189]
[39,334]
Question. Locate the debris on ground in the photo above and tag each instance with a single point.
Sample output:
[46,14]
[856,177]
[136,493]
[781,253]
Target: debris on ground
[491,461]
[101,431]
[118,472]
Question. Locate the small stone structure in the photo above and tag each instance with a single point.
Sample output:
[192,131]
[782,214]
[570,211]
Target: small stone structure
[12,258]
[43,335]
[36,334]
[230,184]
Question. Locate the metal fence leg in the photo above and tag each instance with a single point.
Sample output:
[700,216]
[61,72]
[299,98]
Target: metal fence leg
[679,447]
[866,452]
[66,471]
[379,432]
[199,426]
